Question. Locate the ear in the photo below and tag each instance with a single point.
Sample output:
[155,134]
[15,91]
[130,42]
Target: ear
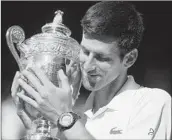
[130,58]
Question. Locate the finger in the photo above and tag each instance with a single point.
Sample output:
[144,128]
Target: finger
[25,118]
[71,63]
[15,84]
[78,72]
[28,100]
[33,80]
[29,90]
[75,69]
[72,71]
[20,111]
[70,68]
[16,100]
[67,61]
[64,80]
[59,81]
[40,75]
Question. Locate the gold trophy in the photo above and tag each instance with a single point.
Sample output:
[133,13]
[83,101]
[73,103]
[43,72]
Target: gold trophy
[48,50]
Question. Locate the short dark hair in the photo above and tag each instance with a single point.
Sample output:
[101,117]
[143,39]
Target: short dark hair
[117,19]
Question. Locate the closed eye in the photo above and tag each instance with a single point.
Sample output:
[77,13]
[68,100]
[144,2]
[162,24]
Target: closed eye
[85,51]
[103,59]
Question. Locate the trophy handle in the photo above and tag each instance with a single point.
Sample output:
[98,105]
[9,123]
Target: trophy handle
[15,34]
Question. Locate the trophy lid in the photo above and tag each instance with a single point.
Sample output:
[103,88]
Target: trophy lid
[55,39]
[57,25]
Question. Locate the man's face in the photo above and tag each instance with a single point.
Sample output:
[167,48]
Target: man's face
[100,63]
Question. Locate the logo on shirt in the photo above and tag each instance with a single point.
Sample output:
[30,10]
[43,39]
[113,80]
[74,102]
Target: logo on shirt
[115,131]
[151,131]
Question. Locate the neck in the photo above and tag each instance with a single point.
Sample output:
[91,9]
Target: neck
[103,96]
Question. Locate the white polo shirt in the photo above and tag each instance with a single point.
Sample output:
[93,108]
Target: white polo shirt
[142,113]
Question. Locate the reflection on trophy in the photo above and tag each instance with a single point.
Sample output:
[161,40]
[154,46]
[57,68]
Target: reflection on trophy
[47,50]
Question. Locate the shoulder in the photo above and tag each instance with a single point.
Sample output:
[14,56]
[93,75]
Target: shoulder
[150,102]
[155,94]
[151,98]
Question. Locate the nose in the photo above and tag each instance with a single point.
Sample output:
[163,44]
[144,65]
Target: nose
[88,62]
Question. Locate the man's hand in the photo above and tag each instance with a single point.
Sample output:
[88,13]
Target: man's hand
[50,100]
[73,73]
[19,103]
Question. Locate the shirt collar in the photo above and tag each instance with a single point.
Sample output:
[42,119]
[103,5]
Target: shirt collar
[128,86]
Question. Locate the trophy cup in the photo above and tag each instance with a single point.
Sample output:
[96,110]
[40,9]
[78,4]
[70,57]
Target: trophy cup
[47,50]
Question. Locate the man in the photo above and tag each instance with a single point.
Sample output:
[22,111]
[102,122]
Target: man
[118,107]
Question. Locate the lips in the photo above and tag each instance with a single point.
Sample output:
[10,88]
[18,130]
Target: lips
[93,77]
[93,74]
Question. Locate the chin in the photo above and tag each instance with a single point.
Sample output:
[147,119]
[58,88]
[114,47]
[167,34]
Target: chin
[91,86]
[88,88]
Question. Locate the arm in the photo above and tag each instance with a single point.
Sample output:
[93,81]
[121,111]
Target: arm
[12,127]
[78,131]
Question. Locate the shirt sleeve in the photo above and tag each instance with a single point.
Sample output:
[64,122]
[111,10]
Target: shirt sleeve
[12,127]
[164,129]
[151,121]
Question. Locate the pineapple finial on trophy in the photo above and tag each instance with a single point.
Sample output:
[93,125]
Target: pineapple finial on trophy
[58,17]
[57,26]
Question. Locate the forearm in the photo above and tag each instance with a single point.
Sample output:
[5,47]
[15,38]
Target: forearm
[78,131]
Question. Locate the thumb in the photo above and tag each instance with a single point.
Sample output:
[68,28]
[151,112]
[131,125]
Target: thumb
[64,80]
[22,114]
